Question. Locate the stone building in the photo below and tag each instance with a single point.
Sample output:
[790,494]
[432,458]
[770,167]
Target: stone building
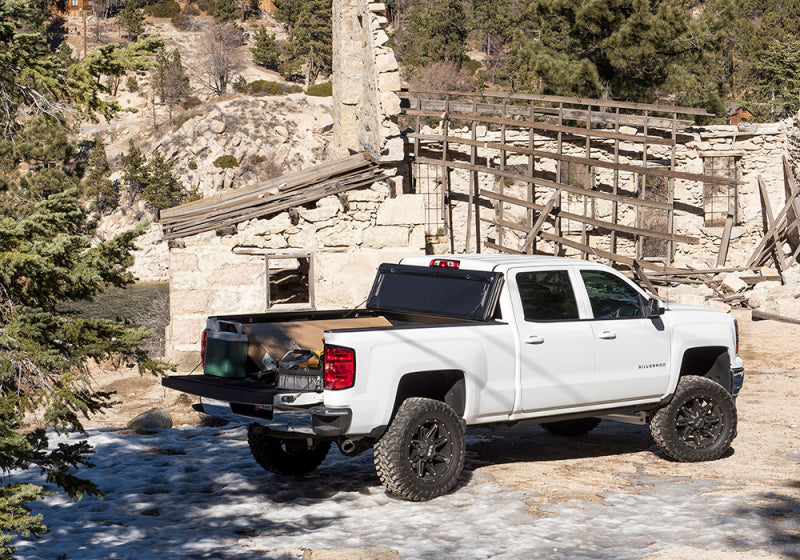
[319,250]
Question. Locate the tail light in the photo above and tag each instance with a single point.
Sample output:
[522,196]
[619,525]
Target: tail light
[203,342]
[340,367]
[445,263]
[736,330]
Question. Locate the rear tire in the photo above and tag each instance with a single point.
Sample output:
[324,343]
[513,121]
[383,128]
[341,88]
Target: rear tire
[571,428]
[286,456]
[421,455]
[698,424]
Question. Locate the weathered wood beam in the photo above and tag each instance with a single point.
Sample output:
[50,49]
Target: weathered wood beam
[661,108]
[594,222]
[725,242]
[537,125]
[627,261]
[551,184]
[758,315]
[539,224]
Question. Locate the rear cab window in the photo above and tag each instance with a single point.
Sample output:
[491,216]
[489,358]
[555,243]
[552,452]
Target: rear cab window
[547,295]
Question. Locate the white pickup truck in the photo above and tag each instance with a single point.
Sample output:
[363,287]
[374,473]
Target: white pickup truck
[453,341]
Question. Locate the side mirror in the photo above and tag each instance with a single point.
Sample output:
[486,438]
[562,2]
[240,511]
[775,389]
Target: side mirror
[654,308]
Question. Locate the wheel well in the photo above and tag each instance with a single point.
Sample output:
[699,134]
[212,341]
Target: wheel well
[446,386]
[712,362]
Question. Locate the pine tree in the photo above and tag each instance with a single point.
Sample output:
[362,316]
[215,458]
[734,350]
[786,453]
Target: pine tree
[169,78]
[48,257]
[436,32]
[162,189]
[266,51]
[97,186]
[225,11]
[132,19]
[312,38]
[134,172]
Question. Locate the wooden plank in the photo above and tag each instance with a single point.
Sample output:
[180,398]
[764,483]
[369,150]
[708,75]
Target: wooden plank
[790,186]
[600,253]
[642,169]
[637,267]
[540,221]
[757,253]
[502,249]
[771,226]
[636,120]
[594,222]
[551,184]
[300,178]
[761,278]
[725,242]
[525,123]
[661,108]
[758,315]
[222,220]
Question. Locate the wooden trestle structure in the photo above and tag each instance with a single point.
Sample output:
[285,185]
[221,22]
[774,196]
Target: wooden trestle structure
[624,152]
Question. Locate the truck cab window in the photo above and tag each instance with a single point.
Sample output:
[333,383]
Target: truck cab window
[611,297]
[547,295]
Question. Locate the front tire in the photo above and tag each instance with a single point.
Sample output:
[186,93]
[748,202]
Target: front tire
[421,455]
[698,424]
[293,457]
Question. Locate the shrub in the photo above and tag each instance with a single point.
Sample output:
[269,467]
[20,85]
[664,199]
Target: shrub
[166,9]
[206,6]
[226,162]
[190,102]
[190,10]
[132,84]
[182,22]
[240,85]
[264,87]
[472,66]
[442,76]
[192,165]
[325,89]
[292,88]
[182,118]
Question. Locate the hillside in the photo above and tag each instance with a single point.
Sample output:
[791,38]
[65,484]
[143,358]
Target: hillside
[268,136]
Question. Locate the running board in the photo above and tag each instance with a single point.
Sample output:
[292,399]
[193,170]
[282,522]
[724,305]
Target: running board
[639,418]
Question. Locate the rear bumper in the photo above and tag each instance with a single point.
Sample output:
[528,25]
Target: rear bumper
[295,414]
[318,421]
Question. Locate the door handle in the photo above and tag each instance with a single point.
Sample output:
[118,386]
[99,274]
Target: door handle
[535,339]
[607,335]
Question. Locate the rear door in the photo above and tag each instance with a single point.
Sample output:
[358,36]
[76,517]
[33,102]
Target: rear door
[632,351]
[556,365]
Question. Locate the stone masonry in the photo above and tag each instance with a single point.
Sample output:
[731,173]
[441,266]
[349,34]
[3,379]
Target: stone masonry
[366,79]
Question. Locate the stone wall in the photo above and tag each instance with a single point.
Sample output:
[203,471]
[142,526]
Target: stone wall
[366,79]
[214,274]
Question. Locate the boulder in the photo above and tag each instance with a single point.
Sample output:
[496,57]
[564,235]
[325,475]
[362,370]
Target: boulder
[152,419]
[374,553]
[733,283]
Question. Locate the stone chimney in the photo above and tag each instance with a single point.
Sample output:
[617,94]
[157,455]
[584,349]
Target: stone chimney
[366,80]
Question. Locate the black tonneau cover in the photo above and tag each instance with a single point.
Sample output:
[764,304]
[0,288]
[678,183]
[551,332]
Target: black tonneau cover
[447,292]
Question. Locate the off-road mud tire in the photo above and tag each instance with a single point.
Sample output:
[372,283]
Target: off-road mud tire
[287,456]
[571,428]
[698,424]
[421,455]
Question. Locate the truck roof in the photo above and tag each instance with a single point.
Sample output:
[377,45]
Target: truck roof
[490,262]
